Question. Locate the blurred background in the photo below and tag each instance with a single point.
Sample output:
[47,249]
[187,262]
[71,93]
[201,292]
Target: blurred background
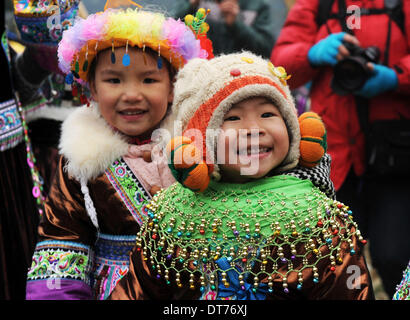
[92,6]
[97,5]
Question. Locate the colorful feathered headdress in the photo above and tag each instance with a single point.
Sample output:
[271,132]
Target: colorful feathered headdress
[174,40]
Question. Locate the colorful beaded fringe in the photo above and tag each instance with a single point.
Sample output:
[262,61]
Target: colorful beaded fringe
[257,233]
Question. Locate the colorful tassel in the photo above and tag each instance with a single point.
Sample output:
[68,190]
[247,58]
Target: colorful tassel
[85,65]
[143,54]
[159,61]
[126,59]
[112,54]
[69,78]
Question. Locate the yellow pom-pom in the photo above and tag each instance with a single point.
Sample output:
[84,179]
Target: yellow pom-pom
[201,13]
[204,28]
[189,19]
[313,142]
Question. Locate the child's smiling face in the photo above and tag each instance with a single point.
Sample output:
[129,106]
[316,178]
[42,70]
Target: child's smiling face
[254,134]
[133,99]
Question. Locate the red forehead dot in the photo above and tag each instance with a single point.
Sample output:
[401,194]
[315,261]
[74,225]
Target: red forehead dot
[235,72]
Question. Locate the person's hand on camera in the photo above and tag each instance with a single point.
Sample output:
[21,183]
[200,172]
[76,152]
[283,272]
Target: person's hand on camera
[193,2]
[382,79]
[229,10]
[330,50]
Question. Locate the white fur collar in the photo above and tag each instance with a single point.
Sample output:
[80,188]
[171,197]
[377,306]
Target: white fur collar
[89,144]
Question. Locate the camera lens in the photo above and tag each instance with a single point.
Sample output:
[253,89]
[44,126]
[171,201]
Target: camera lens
[350,73]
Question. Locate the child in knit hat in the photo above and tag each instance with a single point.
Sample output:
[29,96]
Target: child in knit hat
[246,227]
[126,58]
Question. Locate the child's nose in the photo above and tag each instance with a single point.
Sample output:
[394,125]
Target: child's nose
[255,132]
[132,94]
[252,128]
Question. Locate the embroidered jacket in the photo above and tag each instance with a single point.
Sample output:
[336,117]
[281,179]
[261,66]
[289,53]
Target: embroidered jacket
[94,211]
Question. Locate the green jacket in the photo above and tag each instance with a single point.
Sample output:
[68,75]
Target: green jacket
[253,30]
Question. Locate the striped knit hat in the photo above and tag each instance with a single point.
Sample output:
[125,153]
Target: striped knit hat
[205,91]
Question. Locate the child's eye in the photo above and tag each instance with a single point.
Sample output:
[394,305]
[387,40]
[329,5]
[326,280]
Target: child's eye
[267,115]
[232,118]
[149,80]
[113,80]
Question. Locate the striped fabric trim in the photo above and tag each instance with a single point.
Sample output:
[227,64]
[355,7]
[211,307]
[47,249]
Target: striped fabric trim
[131,191]
[11,127]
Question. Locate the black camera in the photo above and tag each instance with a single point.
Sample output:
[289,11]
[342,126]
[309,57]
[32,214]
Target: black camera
[351,73]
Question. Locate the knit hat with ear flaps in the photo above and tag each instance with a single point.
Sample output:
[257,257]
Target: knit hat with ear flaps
[206,89]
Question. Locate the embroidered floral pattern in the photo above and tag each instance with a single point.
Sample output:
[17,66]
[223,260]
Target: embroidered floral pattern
[43,4]
[60,260]
[120,171]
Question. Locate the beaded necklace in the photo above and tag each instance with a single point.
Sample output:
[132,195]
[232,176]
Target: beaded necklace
[37,190]
[260,230]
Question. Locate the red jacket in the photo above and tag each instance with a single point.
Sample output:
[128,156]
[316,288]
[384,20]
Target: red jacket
[345,139]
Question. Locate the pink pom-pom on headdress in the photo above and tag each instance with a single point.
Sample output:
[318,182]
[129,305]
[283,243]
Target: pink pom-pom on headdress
[181,39]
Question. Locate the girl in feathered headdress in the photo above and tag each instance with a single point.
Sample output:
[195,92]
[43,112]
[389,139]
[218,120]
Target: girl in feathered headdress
[127,59]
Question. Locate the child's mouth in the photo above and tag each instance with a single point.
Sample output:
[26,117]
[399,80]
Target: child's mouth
[132,113]
[254,151]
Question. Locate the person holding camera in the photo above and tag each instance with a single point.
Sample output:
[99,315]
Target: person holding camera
[357,55]
[237,25]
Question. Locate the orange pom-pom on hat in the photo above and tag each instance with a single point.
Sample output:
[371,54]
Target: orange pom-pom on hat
[175,150]
[187,164]
[313,142]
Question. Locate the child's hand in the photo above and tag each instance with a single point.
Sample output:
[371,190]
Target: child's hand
[154,190]
[313,142]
